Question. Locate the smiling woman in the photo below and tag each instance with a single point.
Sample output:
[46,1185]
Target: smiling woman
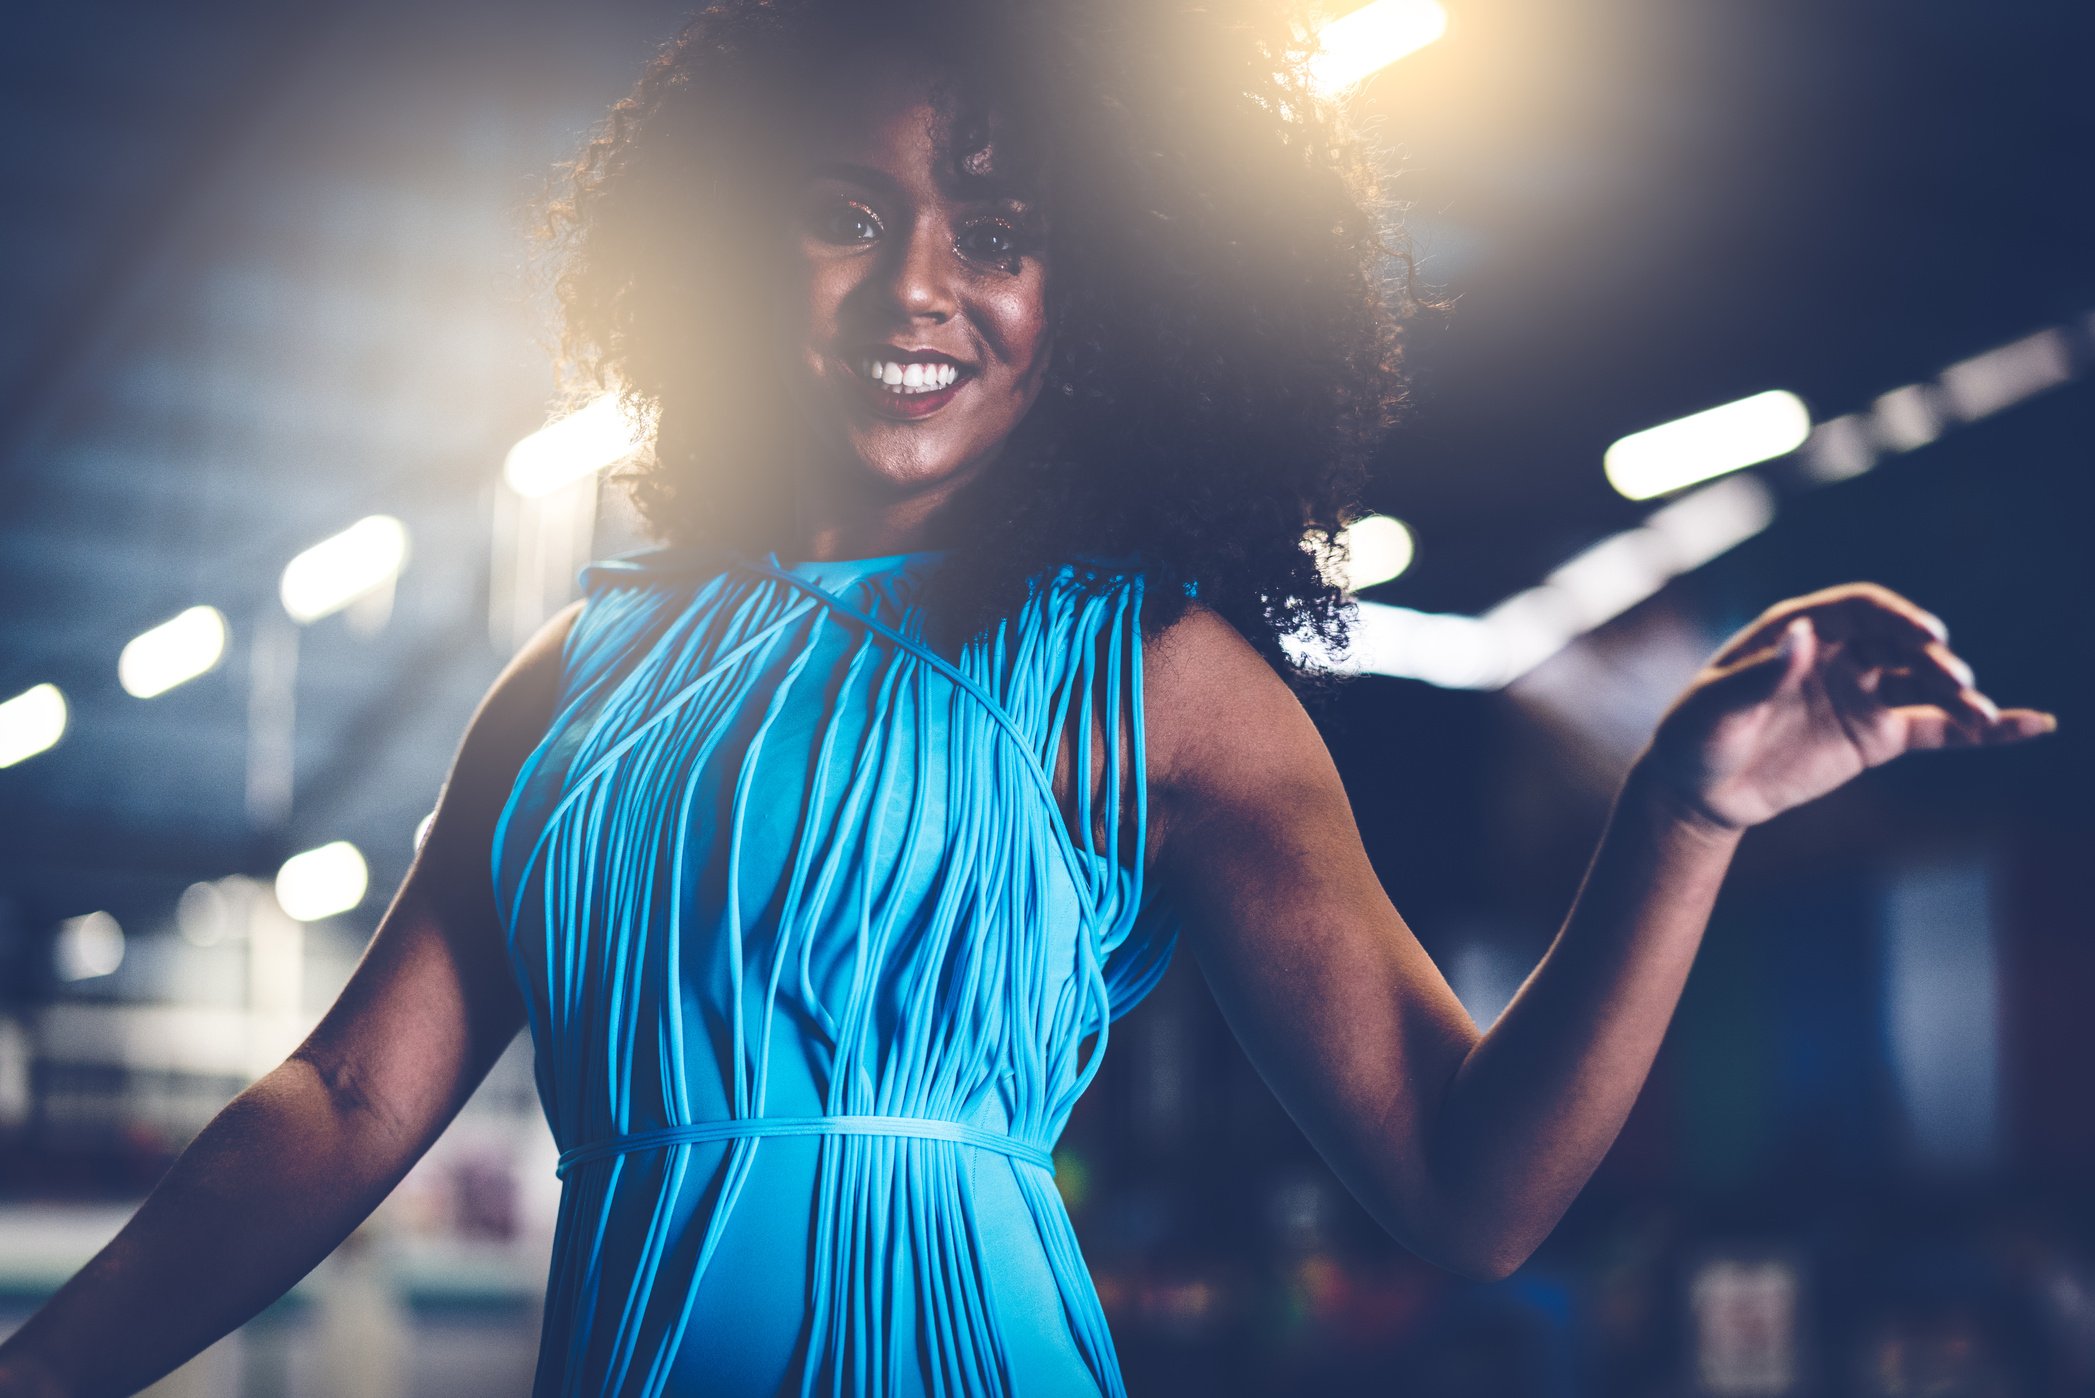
[1152,264]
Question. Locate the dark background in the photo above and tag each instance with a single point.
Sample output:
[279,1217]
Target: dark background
[259,278]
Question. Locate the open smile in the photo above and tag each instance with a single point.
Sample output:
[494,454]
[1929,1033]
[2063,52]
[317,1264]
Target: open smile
[908,388]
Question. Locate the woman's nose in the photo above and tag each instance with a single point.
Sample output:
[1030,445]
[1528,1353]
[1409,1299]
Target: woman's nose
[920,280]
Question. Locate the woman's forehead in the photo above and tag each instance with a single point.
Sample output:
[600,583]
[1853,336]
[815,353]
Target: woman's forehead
[887,105]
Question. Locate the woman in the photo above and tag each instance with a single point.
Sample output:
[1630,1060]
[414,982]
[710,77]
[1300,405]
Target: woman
[1001,362]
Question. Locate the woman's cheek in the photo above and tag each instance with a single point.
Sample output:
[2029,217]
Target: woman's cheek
[1021,328]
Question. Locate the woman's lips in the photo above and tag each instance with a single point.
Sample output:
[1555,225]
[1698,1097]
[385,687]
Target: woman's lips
[905,407]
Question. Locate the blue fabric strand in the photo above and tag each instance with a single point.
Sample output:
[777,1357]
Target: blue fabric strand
[811,956]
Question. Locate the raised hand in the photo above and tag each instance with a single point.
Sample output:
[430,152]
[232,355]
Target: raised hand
[1815,690]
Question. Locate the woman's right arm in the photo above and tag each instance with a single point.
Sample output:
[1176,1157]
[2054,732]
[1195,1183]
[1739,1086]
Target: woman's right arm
[295,1162]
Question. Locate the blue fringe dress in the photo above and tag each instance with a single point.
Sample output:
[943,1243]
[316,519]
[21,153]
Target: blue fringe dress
[816,970]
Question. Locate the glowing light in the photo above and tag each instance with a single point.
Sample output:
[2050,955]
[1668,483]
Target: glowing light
[1455,652]
[1372,37]
[1709,443]
[2000,378]
[1531,626]
[204,914]
[1904,418]
[30,722]
[88,946]
[1379,548]
[336,571]
[173,652]
[322,882]
[595,436]
[1606,579]
[422,829]
[1839,449]
[1706,522]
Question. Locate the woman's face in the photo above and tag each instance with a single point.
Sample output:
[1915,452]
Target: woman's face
[918,280]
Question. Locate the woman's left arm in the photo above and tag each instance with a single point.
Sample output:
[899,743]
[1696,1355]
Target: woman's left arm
[1468,1147]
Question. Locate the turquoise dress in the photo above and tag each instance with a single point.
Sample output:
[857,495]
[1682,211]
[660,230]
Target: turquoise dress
[815,970]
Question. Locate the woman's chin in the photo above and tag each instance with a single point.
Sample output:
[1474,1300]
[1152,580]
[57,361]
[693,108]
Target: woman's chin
[883,468]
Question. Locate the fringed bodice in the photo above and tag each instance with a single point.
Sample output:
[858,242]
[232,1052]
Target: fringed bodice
[812,957]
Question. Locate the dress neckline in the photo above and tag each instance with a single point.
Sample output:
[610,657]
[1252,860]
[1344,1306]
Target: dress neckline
[663,559]
[870,563]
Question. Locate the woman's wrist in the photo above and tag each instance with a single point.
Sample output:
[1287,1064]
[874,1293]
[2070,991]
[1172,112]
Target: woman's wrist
[1659,803]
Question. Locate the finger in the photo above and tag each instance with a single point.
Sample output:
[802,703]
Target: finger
[1867,697]
[1929,726]
[1851,610]
[1919,726]
[1878,718]
[1903,685]
[1950,663]
[2014,725]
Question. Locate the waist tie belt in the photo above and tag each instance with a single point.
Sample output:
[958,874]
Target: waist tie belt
[928,1128]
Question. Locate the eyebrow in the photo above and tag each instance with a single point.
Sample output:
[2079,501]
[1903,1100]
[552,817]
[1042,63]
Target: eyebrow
[971,186]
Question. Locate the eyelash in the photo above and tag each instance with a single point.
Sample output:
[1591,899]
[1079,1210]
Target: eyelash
[827,221]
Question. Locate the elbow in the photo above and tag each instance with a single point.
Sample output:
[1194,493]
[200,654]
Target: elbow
[1477,1254]
[1478,1235]
[1490,1266]
[1489,1263]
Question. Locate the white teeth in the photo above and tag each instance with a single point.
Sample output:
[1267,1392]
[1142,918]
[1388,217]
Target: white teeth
[920,377]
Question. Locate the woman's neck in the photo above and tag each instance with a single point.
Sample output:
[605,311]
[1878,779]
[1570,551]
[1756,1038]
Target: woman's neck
[828,525]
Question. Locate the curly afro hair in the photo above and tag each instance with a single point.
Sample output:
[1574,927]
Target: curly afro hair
[1225,299]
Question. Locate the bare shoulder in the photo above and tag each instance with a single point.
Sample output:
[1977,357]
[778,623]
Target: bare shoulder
[1222,723]
[523,693]
[533,673]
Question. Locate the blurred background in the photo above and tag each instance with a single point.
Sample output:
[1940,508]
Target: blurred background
[273,514]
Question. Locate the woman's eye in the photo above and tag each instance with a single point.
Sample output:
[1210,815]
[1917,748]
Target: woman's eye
[847,223]
[990,242]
